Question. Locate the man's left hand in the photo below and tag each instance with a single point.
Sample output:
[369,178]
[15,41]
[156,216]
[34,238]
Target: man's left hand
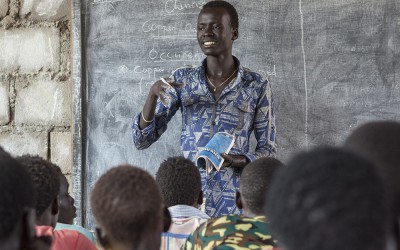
[234,161]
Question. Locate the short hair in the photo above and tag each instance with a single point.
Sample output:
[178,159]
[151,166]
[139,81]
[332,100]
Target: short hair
[45,179]
[255,181]
[179,181]
[16,193]
[325,193]
[379,142]
[228,7]
[127,203]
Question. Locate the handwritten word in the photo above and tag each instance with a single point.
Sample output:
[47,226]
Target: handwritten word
[267,73]
[151,72]
[175,30]
[148,72]
[174,56]
[173,6]
[106,1]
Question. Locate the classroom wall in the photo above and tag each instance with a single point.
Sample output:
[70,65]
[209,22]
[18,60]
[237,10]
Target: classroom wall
[35,79]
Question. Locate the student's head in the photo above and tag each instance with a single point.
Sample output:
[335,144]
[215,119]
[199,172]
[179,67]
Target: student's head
[16,203]
[127,206]
[217,28]
[47,185]
[379,142]
[67,210]
[180,183]
[328,199]
[254,183]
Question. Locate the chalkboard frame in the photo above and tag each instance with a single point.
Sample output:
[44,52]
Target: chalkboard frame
[78,81]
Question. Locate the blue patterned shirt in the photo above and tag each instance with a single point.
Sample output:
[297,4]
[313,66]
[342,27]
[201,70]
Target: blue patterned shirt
[245,105]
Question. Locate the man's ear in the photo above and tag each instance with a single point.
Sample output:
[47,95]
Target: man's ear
[166,219]
[200,199]
[28,222]
[55,206]
[239,203]
[235,34]
[102,238]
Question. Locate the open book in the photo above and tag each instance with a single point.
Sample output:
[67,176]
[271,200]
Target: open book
[210,156]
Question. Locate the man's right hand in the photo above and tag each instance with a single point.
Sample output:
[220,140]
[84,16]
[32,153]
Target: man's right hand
[157,90]
[160,88]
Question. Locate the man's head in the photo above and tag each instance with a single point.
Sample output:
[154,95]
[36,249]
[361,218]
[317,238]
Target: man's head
[16,203]
[47,185]
[379,142]
[67,210]
[255,181]
[180,183]
[328,199]
[217,28]
[127,206]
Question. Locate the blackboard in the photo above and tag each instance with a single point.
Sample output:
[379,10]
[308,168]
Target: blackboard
[332,64]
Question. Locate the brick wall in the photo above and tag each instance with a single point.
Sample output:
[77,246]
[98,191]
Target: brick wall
[35,79]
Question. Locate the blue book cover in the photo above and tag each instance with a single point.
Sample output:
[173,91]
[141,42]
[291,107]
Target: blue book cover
[210,156]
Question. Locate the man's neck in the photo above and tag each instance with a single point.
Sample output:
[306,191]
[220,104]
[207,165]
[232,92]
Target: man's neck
[220,66]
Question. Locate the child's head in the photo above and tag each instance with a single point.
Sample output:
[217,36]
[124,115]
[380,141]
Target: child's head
[325,193]
[179,182]
[255,180]
[127,206]
[17,203]
[379,142]
[47,185]
[67,210]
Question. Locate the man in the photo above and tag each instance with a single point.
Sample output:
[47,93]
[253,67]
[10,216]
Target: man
[245,232]
[17,213]
[379,142]
[328,199]
[47,185]
[180,185]
[128,209]
[219,95]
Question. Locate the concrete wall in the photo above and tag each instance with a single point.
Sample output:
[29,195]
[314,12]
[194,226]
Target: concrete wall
[35,79]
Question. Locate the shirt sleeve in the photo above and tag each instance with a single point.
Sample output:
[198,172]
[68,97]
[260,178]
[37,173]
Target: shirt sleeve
[143,138]
[264,126]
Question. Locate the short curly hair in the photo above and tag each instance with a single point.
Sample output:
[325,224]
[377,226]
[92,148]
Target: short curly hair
[45,179]
[127,203]
[255,181]
[179,181]
[16,193]
[228,7]
[325,193]
[379,142]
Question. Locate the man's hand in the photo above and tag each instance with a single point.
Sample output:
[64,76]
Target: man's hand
[159,89]
[234,161]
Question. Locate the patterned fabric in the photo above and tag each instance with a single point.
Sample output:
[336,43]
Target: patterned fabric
[231,232]
[245,105]
[185,219]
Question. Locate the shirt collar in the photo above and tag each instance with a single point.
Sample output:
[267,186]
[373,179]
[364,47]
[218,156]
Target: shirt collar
[179,211]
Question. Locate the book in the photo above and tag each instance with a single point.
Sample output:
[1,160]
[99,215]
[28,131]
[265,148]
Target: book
[210,156]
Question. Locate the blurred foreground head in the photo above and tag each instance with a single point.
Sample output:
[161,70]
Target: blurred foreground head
[328,199]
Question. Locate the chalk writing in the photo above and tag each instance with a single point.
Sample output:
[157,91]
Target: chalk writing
[151,73]
[106,1]
[177,30]
[174,56]
[175,7]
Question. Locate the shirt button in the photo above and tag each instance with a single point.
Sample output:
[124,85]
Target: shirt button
[213,123]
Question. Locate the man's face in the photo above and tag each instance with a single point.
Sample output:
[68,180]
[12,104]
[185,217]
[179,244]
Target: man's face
[214,32]
[67,211]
